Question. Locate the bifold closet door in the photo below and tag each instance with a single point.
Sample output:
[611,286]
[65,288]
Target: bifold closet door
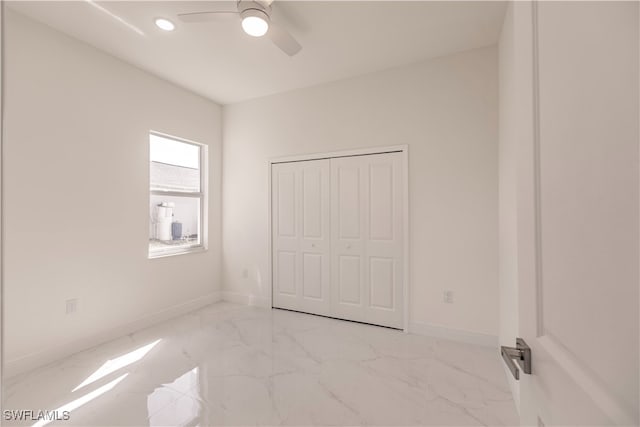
[301,236]
[367,239]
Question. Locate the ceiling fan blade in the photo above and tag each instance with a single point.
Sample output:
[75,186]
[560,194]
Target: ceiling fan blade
[285,41]
[205,16]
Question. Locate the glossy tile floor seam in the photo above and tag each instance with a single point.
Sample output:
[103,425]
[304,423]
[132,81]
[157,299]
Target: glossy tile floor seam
[229,364]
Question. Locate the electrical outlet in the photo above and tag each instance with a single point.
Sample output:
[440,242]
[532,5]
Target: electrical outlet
[245,273]
[447,297]
[71,305]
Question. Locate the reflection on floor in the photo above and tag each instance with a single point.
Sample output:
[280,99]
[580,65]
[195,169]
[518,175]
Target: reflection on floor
[233,365]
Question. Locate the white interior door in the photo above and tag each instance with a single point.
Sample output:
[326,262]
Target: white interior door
[367,239]
[301,236]
[578,216]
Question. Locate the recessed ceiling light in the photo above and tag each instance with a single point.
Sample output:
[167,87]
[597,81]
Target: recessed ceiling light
[255,22]
[165,24]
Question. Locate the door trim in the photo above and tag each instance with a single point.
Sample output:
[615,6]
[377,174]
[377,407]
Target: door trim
[404,149]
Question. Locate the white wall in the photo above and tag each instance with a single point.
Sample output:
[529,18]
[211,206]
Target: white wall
[508,157]
[446,111]
[77,202]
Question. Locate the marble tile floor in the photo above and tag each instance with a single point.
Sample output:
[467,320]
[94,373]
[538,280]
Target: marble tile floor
[228,364]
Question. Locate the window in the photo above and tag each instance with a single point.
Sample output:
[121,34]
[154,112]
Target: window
[177,195]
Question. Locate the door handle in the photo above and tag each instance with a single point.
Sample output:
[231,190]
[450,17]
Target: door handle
[348,246]
[521,353]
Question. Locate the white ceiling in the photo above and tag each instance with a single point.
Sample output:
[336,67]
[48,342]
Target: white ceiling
[218,60]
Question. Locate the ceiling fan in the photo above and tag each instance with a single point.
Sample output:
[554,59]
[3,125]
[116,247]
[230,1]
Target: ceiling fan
[256,21]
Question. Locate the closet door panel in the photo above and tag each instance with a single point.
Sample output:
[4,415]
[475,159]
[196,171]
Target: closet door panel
[284,236]
[381,202]
[348,203]
[366,247]
[312,201]
[312,276]
[300,236]
[286,201]
[348,190]
[382,283]
[384,244]
[349,282]
[287,273]
[315,236]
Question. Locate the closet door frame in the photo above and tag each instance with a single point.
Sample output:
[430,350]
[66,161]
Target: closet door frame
[404,149]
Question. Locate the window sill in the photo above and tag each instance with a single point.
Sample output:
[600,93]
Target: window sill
[177,251]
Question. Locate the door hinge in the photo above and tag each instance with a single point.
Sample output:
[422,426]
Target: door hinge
[521,353]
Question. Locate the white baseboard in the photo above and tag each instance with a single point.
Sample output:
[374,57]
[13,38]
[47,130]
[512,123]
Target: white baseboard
[417,328]
[48,355]
[469,337]
[245,299]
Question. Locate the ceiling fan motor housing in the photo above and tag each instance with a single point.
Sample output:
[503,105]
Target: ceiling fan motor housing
[254,8]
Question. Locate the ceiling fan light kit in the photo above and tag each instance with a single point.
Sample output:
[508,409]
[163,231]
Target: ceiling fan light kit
[255,22]
[165,24]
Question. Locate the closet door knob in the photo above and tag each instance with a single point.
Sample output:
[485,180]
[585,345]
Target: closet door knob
[313,245]
[348,246]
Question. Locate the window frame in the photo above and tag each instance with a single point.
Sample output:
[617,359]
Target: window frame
[202,196]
